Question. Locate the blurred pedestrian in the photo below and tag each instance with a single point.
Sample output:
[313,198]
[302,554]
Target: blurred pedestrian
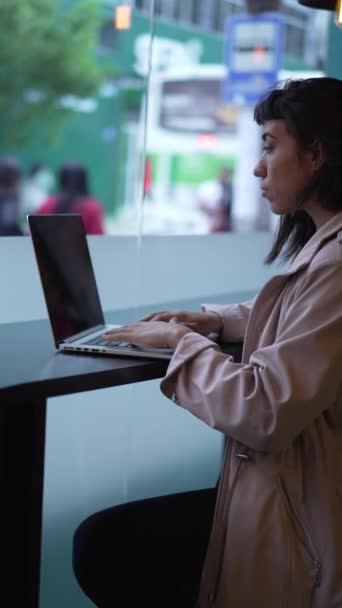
[36,187]
[214,199]
[74,197]
[10,176]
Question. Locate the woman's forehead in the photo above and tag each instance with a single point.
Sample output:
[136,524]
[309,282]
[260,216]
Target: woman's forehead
[275,129]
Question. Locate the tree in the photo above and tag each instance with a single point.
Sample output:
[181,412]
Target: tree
[45,53]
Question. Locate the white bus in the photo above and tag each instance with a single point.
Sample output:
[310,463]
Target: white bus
[191,134]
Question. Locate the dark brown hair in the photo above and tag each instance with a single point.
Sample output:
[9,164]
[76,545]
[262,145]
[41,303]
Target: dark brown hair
[312,111]
[73,186]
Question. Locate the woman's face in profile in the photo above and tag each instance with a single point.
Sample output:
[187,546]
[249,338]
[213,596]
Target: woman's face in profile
[284,170]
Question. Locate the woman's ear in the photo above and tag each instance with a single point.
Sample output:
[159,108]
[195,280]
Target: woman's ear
[318,156]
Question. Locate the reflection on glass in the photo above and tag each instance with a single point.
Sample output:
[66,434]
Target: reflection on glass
[192,132]
[194,135]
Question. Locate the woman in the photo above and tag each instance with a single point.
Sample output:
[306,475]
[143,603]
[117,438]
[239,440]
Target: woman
[74,197]
[276,536]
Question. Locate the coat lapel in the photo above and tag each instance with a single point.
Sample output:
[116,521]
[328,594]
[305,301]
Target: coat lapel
[269,294]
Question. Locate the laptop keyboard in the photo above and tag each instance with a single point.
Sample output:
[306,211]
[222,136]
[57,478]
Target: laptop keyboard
[112,344]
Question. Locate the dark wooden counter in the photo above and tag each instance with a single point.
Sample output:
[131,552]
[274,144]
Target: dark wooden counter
[31,372]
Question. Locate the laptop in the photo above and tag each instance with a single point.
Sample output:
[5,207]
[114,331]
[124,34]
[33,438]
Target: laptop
[70,289]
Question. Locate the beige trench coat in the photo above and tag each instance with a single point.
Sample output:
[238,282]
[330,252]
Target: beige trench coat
[276,540]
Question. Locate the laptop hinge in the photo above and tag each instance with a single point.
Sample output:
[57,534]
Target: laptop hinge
[82,334]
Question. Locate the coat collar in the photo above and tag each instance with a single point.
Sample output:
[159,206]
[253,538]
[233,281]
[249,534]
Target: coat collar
[329,230]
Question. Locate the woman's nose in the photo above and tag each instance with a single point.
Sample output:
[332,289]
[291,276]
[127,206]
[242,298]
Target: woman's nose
[259,169]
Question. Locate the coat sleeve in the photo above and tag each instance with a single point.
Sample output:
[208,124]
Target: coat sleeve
[235,318]
[284,387]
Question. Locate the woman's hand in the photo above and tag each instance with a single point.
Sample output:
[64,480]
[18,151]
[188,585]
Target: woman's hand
[203,323]
[157,334]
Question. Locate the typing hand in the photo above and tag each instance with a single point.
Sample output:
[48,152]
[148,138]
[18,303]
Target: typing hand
[203,323]
[155,334]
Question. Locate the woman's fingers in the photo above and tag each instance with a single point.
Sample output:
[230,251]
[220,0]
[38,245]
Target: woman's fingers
[162,315]
[116,335]
[197,321]
[149,335]
[149,317]
[184,322]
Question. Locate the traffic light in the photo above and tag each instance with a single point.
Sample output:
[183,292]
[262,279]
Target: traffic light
[338,13]
[264,6]
[123,17]
[328,5]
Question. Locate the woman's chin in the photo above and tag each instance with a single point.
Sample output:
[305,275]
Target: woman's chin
[279,209]
[275,209]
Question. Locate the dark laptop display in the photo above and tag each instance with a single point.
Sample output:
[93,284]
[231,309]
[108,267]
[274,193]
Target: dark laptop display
[67,275]
[70,289]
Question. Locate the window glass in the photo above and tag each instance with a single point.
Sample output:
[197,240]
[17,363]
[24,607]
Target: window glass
[140,95]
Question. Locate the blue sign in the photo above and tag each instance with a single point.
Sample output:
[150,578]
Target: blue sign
[253,56]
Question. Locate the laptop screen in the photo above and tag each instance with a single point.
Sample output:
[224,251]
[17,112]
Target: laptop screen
[66,273]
